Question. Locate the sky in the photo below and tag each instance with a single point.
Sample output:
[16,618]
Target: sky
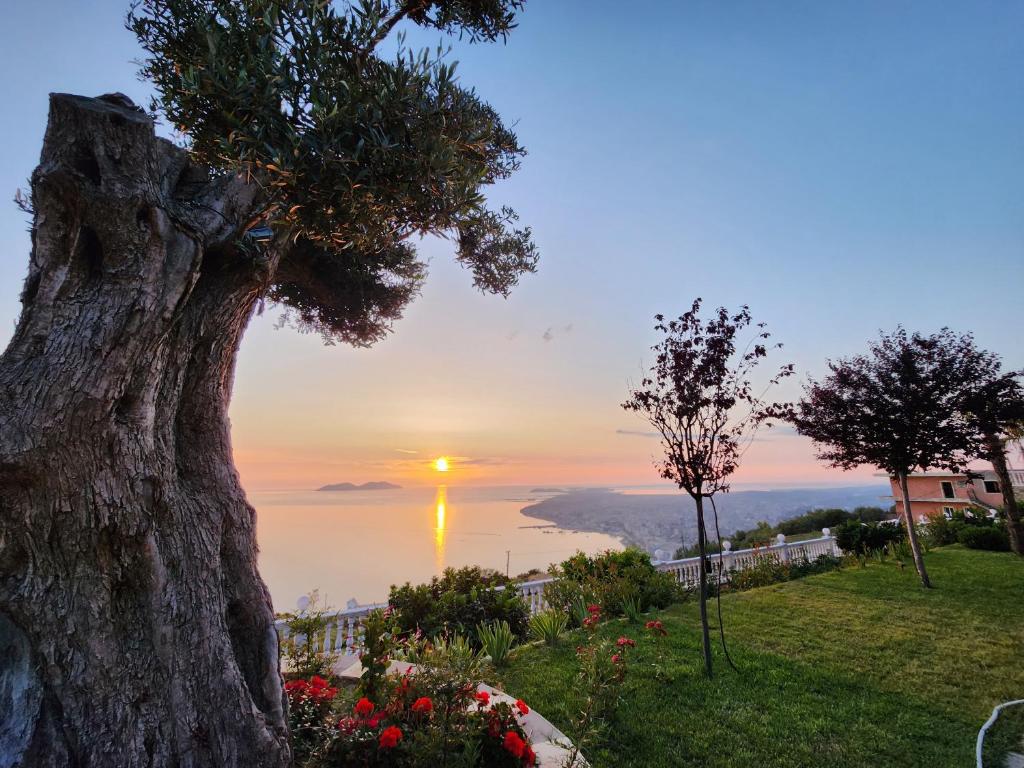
[839,167]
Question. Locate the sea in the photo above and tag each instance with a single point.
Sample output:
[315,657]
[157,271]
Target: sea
[353,545]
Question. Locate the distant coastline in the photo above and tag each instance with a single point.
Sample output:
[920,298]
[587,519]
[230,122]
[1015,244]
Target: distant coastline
[378,485]
[667,520]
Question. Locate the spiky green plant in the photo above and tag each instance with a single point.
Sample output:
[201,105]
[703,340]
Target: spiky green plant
[548,626]
[496,640]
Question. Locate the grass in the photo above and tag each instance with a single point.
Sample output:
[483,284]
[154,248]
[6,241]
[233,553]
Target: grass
[859,667]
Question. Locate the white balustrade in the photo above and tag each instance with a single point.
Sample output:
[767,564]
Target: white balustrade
[344,628]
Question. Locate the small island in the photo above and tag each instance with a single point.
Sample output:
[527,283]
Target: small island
[373,486]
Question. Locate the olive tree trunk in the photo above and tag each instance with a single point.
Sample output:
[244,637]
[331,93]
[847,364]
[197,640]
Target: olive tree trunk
[996,450]
[915,545]
[134,627]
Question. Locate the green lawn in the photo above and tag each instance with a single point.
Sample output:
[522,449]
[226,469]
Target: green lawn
[859,667]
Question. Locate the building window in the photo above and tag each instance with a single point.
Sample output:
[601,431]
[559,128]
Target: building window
[992,486]
[947,512]
[947,490]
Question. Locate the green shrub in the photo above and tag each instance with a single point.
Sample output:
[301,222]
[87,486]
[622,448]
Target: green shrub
[991,537]
[548,626]
[766,569]
[301,651]
[610,579]
[940,530]
[770,569]
[457,602]
[866,538]
[496,640]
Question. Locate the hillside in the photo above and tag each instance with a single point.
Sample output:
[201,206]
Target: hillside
[665,520]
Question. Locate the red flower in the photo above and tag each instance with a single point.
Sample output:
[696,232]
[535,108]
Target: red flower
[317,682]
[374,721]
[521,706]
[390,737]
[423,705]
[483,698]
[346,725]
[296,686]
[622,642]
[656,627]
[594,608]
[364,707]
[514,744]
[529,758]
[616,658]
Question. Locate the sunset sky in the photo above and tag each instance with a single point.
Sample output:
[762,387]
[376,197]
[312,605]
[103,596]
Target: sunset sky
[840,167]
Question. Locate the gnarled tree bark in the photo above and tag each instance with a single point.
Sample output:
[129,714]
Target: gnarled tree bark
[134,627]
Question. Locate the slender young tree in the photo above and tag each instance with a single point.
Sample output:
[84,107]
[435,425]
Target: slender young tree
[994,402]
[135,629]
[899,408]
[699,397]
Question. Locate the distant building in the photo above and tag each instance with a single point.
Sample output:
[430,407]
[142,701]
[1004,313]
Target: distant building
[949,492]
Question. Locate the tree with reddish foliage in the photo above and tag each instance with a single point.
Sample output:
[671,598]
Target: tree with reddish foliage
[900,408]
[700,398]
[134,626]
[994,403]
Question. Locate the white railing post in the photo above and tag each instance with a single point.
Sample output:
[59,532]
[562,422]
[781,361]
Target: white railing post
[780,542]
[833,547]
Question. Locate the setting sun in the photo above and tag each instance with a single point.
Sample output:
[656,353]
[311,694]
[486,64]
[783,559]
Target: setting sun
[441,464]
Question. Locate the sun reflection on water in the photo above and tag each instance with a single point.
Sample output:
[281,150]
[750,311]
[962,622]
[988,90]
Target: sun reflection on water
[441,505]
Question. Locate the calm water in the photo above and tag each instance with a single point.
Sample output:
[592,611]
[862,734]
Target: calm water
[357,543]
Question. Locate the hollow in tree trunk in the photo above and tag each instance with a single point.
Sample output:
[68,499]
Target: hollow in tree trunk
[702,548]
[134,627]
[915,546]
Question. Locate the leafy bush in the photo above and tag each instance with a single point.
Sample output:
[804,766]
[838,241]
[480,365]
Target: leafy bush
[306,631]
[457,602]
[991,537]
[610,579]
[940,530]
[865,538]
[548,626]
[770,569]
[497,641]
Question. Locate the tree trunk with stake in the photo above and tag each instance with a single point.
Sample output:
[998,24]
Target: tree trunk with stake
[915,547]
[703,550]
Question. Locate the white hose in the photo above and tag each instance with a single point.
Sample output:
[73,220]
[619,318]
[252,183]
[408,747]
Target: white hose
[988,724]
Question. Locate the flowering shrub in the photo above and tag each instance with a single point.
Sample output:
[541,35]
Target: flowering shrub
[656,628]
[599,683]
[429,718]
[617,580]
[309,706]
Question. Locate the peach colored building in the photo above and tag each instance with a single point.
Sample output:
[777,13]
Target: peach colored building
[949,492]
